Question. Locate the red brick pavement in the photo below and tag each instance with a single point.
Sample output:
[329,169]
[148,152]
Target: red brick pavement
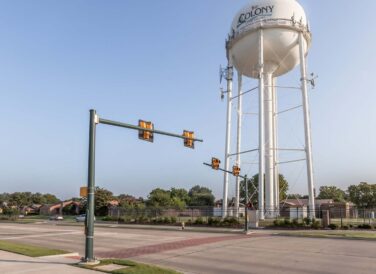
[157,248]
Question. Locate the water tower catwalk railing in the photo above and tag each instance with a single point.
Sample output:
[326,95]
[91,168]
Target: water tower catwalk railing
[269,23]
[268,113]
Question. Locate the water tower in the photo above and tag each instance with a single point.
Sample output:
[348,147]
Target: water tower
[268,38]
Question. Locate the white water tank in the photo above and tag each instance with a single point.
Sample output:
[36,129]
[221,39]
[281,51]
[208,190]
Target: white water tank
[281,21]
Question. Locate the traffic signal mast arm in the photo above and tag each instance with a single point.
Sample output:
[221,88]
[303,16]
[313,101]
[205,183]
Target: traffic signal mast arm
[227,171]
[155,131]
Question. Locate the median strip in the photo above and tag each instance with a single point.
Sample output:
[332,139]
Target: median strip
[29,250]
[122,266]
[332,235]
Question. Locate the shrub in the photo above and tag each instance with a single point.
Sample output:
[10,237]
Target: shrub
[295,223]
[365,226]
[287,222]
[159,220]
[166,220]
[230,221]
[110,219]
[173,220]
[199,221]
[11,212]
[121,220]
[124,220]
[345,227]
[308,221]
[213,221]
[142,220]
[333,226]
[315,224]
[277,223]
[3,217]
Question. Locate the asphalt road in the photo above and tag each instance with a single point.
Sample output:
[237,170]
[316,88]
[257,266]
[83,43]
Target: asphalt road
[199,252]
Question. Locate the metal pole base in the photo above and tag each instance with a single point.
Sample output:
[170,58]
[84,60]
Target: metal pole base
[85,262]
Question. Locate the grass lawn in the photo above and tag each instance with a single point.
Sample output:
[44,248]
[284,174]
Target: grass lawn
[355,235]
[133,267]
[29,250]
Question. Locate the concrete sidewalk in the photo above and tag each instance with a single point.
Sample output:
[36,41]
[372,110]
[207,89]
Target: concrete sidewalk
[17,264]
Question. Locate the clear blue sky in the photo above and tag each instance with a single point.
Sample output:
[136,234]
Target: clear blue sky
[158,60]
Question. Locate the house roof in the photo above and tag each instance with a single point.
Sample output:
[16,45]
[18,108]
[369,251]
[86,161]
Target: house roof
[295,202]
[59,204]
[113,203]
[304,202]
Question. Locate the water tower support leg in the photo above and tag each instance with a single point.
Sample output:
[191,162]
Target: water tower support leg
[228,137]
[261,127]
[307,127]
[275,146]
[269,147]
[239,139]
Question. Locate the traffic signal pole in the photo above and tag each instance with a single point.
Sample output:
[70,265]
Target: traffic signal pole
[89,222]
[246,193]
[246,204]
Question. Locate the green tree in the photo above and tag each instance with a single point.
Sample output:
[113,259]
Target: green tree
[253,189]
[283,187]
[200,196]
[332,192]
[10,211]
[4,198]
[159,198]
[178,203]
[102,199]
[128,201]
[20,199]
[174,198]
[363,195]
[294,196]
[181,194]
[50,199]
[37,198]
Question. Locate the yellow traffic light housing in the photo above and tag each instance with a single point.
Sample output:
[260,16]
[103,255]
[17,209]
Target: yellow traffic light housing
[189,139]
[144,134]
[236,171]
[215,163]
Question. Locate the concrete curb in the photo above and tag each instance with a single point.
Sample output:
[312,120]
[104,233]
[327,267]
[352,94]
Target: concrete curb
[60,255]
[164,228]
